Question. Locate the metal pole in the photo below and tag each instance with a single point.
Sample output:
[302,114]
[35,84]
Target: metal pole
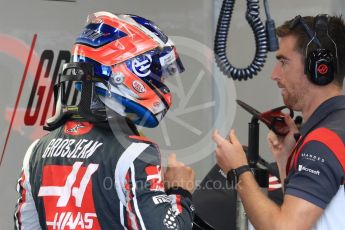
[261,174]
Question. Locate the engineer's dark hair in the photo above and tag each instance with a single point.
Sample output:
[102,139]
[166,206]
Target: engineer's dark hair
[336,30]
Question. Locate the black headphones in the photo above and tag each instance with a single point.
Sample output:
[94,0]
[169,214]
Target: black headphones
[320,64]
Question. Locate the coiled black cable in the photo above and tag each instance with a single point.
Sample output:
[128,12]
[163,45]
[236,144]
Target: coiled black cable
[261,39]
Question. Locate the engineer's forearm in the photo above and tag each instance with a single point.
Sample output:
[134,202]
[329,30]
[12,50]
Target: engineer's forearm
[261,211]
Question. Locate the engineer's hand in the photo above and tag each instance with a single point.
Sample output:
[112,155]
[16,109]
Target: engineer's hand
[229,153]
[281,147]
[179,175]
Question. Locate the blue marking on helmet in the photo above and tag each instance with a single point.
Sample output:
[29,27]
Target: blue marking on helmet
[99,69]
[150,26]
[99,34]
[146,117]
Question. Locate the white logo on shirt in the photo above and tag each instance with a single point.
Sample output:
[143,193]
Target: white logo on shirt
[303,168]
[312,157]
[161,199]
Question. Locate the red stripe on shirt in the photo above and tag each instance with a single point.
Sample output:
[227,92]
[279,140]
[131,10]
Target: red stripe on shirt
[328,138]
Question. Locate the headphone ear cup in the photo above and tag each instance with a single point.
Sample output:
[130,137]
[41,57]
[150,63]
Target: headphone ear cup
[319,67]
